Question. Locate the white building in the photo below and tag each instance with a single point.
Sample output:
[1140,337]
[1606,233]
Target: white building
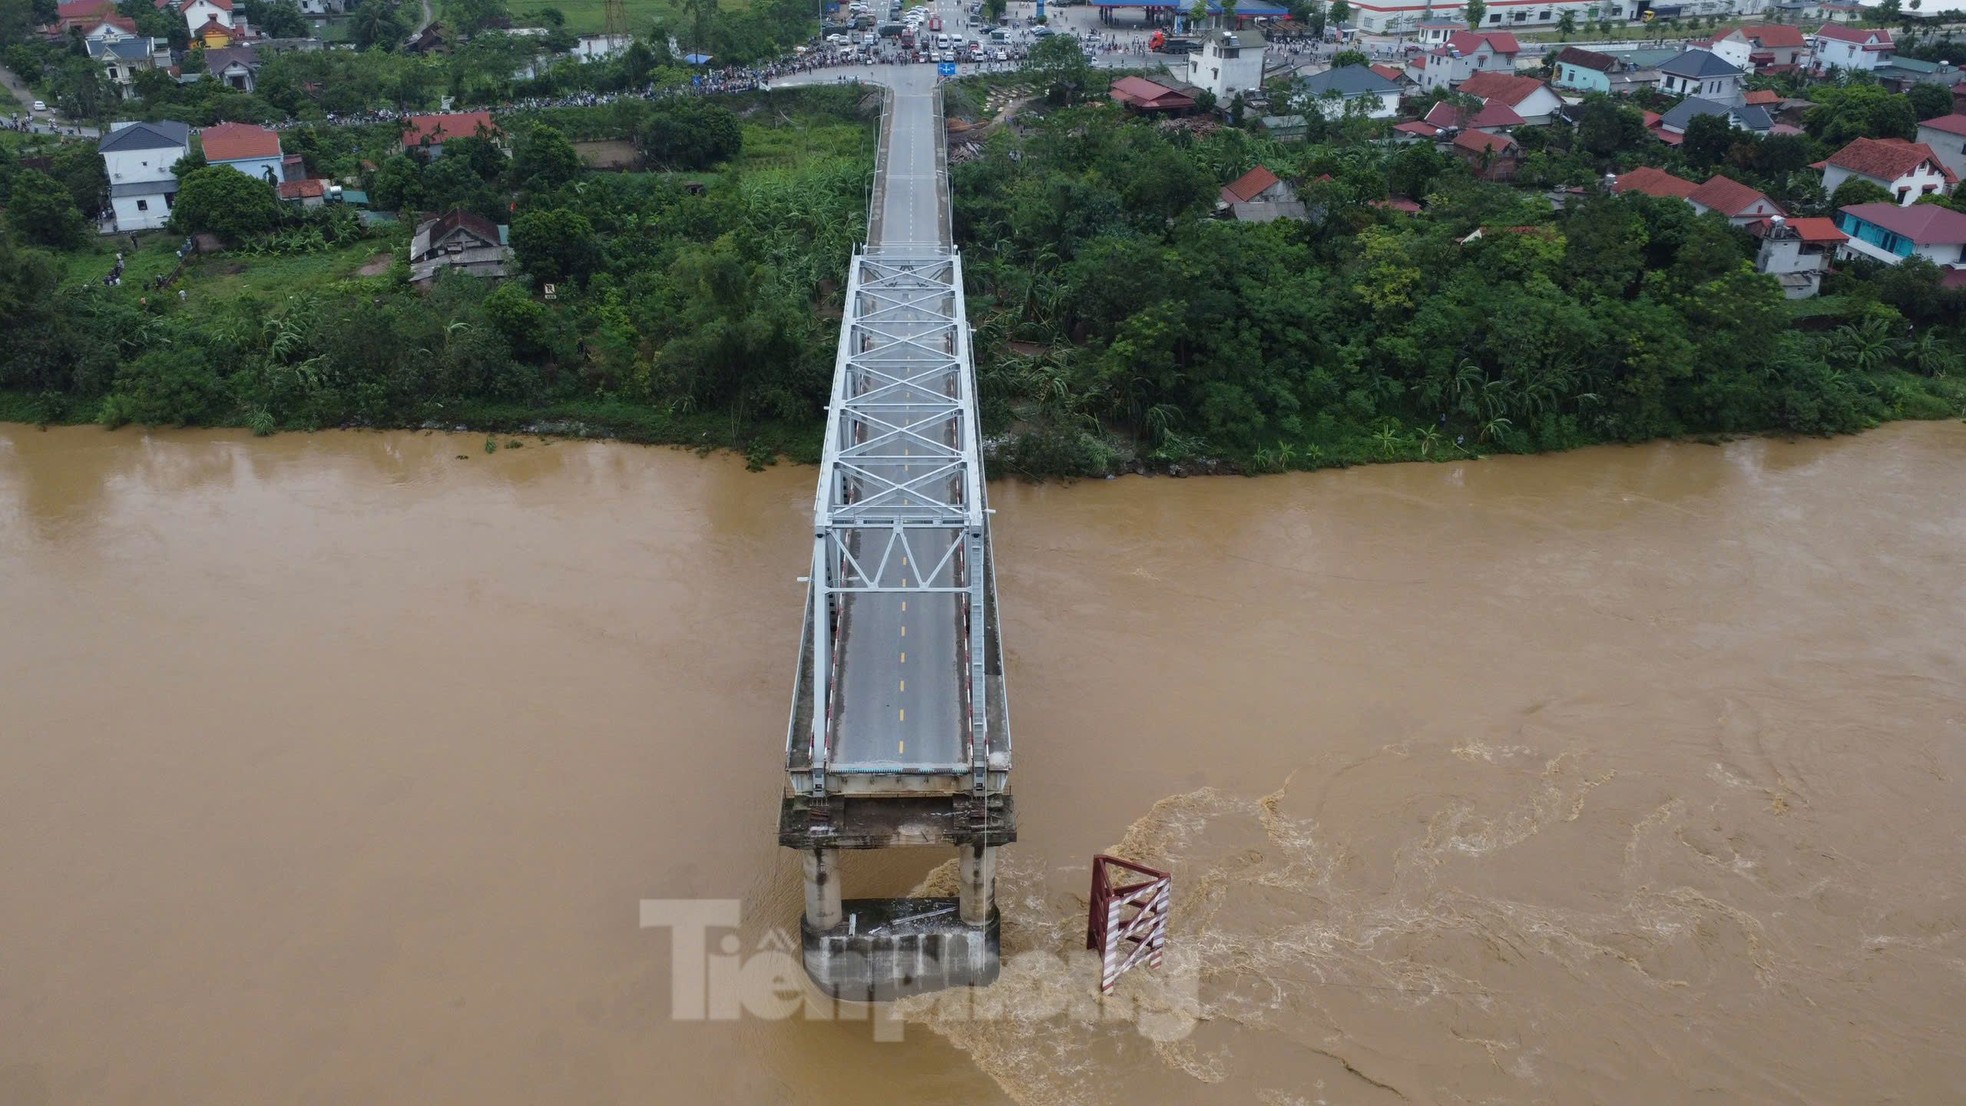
[601,47]
[138,158]
[1844,47]
[1227,63]
[1462,55]
[1907,170]
[196,12]
[1796,252]
[1702,73]
[1946,136]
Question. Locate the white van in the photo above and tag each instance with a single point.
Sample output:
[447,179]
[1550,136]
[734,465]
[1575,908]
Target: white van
[941,42]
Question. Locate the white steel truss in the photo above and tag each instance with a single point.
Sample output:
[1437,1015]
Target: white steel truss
[901,475]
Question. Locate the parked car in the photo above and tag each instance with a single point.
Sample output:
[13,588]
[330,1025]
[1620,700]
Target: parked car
[40,105]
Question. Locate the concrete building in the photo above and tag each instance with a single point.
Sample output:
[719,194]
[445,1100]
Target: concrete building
[197,12]
[1702,73]
[1583,70]
[1907,170]
[1464,54]
[601,47]
[1841,47]
[1889,233]
[1772,47]
[1227,63]
[1527,96]
[1946,138]
[138,158]
[1352,90]
[253,150]
[1796,252]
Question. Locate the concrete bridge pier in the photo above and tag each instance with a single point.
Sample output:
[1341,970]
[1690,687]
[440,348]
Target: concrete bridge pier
[823,910]
[978,884]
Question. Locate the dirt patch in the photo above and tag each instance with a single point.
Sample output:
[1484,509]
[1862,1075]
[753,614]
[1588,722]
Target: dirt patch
[611,153]
[377,265]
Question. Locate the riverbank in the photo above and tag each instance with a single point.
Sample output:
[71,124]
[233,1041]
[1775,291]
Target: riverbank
[766,443]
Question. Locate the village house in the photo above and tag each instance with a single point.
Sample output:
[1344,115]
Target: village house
[1796,252]
[428,133]
[1464,54]
[459,242]
[1227,63]
[1447,119]
[1772,47]
[1736,202]
[1889,233]
[87,14]
[1583,70]
[1494,157]
[1946,137]
[601,47]
[1527,96]
[139,158]
[1907,170]
[1147,97]
[123,56]
[1353,90]
[1671,127]
[252,150]
[1704,74]
[1841,47]
[197,13]
[1739,204]
[1258,196]
[235,67]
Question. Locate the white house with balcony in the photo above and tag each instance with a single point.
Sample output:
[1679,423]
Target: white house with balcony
[138,158]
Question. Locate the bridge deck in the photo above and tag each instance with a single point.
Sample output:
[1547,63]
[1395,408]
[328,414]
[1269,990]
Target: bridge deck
[900,688]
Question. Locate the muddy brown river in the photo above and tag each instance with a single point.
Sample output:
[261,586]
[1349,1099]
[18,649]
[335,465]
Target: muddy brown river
[333,769]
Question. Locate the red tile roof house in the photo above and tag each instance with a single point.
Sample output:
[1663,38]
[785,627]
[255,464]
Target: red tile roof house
[1445,118]
[1907,170]
[1772,47]
[1740,204]
[1842,47]
[1260,196]
[81,13]
[1529,97]
[1145,96]
[1463,55]
[428,133]
[254,151]
[1491,156]
[1653,182]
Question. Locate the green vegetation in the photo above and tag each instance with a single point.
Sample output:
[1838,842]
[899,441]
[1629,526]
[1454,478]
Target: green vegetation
[682,314]
[1117,322]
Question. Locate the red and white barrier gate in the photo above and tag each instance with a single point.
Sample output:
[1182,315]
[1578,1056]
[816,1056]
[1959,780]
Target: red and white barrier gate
[1126,923]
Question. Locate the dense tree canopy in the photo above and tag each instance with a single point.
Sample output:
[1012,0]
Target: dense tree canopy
[225,202]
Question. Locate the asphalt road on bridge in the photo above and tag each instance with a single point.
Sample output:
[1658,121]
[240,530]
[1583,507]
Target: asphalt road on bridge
[901,682]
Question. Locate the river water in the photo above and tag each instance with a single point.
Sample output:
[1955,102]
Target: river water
[333,769]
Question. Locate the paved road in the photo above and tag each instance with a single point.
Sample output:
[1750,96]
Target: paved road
[901,669]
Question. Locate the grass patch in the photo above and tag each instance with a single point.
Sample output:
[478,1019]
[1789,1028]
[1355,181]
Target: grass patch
[801,141]
[590,16]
